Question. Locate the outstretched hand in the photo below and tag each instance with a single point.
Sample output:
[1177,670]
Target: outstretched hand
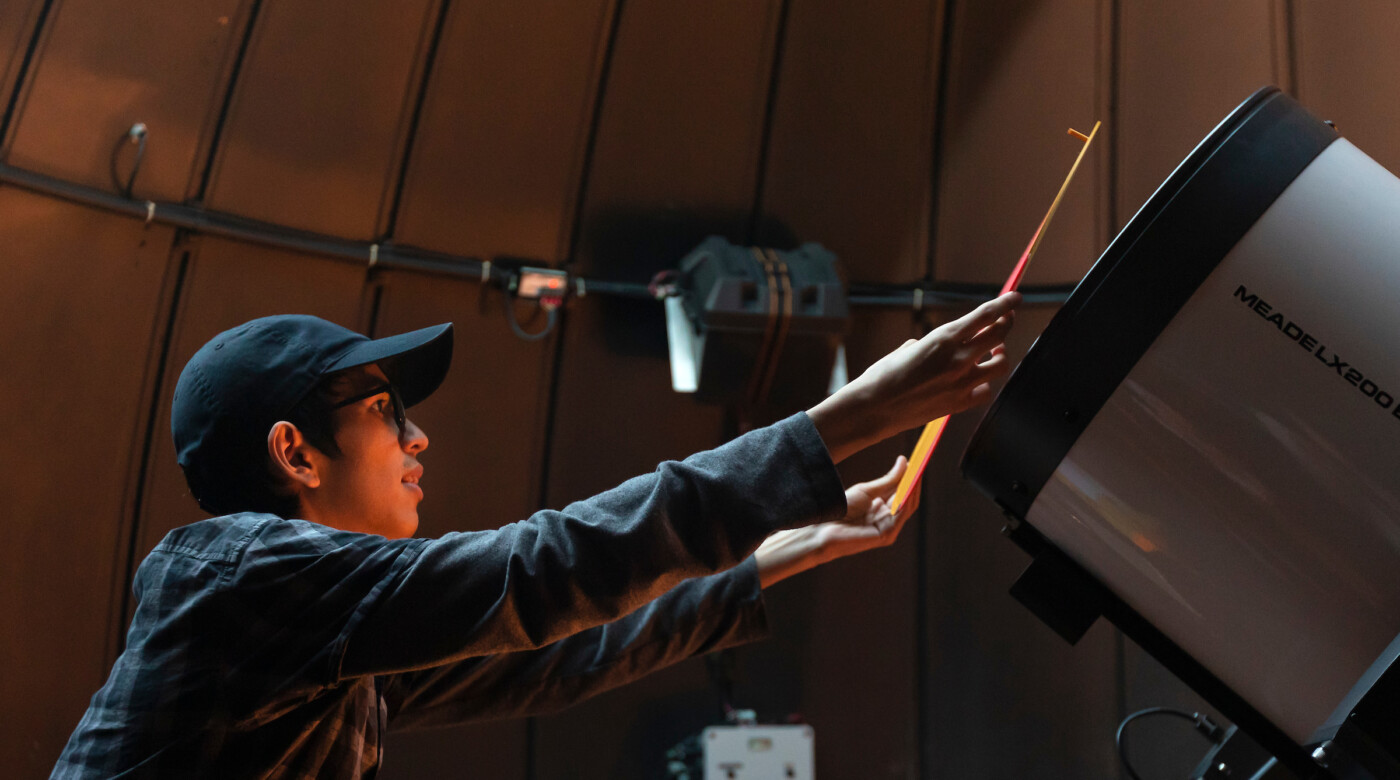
[867,524]
[948,370]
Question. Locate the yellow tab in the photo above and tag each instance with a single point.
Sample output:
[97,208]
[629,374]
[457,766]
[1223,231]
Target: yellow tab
[917,461]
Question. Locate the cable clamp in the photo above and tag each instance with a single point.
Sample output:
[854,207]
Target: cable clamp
[485,271]
[579,289]
[373,255]
[150,212]
[918,299]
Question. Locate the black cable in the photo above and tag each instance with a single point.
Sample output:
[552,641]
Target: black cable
[719,667]
[616,289]
[552,315]
[136,135]
[194,217]
[1202,723]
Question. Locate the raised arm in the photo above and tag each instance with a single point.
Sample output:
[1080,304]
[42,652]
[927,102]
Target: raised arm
[534,582]
[558,573]
[698,616]
[946,371]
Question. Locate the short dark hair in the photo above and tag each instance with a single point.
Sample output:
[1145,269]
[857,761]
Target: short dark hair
[249,484]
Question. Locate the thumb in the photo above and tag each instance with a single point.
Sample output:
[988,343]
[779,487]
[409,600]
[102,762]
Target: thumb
[890,480]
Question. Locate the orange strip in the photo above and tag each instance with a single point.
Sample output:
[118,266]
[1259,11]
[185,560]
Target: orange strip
[928,440]
[917,461]
[1035,242]
[1014,280]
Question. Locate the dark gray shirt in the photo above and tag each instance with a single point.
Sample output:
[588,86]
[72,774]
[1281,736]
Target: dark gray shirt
[264,647]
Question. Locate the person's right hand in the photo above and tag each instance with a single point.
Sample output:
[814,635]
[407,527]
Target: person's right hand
[946,371]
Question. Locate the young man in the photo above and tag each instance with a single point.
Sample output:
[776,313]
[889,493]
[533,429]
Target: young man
[283,637]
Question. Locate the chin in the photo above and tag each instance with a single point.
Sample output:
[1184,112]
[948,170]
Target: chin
[406,527]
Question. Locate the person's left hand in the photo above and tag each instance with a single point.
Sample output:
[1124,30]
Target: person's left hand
[868,524]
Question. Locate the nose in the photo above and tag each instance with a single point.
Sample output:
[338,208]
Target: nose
[412,438]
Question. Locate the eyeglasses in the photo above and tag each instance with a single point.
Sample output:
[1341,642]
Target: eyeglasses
[400,418]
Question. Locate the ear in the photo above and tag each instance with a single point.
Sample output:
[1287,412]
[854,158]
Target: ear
[292,458]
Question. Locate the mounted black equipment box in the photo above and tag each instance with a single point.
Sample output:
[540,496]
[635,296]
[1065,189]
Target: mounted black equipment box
[765,326]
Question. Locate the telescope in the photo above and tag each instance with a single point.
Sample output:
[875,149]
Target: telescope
[1203,446]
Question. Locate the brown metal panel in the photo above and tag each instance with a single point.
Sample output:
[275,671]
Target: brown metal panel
[1019,74]
[617,417]
[1183,65]
[81,313]
[1346,66]
[315,131]
[844,651]
[849,149]
[485,427]
[227,283]
[500,142]
[105,66]
[17,20]
[681,129]
[675,158]
[1007,697]
[848,165]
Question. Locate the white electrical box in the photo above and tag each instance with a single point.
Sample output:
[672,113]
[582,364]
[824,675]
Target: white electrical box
[758,752]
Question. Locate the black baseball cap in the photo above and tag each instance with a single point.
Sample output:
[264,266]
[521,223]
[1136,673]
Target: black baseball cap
[246,379]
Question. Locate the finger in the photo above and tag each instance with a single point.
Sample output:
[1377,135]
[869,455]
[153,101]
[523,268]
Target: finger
[989,337]
[1009,317]
[905,512]
[897,522]
[999,349]
[980,379]
[879,510]
[886,485]
[963,328]
[986,375]
[886,523]
[979,395]
[996,364]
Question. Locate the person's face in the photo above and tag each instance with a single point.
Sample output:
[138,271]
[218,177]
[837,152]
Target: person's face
[373,486]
